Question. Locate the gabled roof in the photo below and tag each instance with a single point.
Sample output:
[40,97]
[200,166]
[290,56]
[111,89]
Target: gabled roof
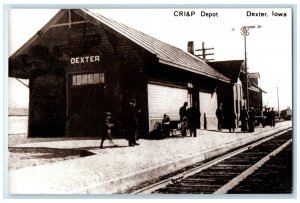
[230,69]
[256,88]
[167,54]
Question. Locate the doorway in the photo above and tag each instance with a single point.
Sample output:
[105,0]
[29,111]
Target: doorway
[86,105]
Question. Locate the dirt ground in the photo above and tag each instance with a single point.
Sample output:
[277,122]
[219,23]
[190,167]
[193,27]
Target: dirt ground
[22,157]
[19,160]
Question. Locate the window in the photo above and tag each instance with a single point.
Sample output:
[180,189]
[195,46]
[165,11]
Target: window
[88,79]
[84,79]
[96,78]
[78,80]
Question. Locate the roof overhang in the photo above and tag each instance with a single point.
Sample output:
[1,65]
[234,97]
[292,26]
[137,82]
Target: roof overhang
[256,88]
[191,70]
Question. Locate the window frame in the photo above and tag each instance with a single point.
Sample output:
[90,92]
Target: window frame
[84,79]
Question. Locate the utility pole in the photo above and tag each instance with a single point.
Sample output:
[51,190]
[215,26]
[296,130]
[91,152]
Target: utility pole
[245,31]
[204,54]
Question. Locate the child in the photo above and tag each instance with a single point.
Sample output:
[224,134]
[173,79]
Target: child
[184,126]
[107,133]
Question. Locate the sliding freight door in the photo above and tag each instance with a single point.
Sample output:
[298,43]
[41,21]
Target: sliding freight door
[164,99]
[208,106]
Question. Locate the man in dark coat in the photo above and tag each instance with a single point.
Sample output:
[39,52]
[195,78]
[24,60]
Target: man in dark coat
[272,117]
[251,120]
[193,116]
[231,119]
[182,111]
[166,126]
[220,116]
[131,123]
[244,119]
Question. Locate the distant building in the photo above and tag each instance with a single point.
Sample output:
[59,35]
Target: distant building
[255,92]
[231,95]
[235,94]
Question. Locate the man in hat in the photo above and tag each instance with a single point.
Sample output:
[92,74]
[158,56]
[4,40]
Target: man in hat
[182,111]
[251,121]
[244,119]
[220,116]
[131,122]
[193,116]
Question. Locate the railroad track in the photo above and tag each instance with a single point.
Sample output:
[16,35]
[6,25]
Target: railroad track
[232,172]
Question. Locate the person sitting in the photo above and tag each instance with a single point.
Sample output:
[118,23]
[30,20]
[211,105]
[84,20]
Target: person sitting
[156,133]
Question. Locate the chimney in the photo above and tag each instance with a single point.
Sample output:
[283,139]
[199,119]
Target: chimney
[190,47]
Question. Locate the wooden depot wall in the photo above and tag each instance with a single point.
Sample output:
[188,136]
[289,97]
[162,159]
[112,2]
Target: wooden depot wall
[61,106]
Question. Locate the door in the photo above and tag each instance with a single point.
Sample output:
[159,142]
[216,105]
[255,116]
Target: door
[208,106]
[164,99]
[47,113]
[86,105]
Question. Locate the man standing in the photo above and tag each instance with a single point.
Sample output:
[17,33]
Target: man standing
[131,122]
[166,126]
[244,119]
[272,117]
[220,116]
[193,116]
[251,120]
[231,117]
[182,111]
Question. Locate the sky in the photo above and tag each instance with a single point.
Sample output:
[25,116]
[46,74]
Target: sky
[269,48]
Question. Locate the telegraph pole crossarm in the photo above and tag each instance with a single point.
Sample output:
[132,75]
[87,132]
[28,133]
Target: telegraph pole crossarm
[204,49]
[204,54]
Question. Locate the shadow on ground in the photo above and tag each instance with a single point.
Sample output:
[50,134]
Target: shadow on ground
[45,152]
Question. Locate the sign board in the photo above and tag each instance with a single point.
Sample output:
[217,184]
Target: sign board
[85,59]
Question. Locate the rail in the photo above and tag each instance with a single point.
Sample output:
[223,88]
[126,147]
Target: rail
[176,178]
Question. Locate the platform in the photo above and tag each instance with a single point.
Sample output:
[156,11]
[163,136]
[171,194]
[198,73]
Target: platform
[116,169]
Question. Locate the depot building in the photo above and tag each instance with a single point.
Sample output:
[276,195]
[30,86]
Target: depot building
[81,65]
